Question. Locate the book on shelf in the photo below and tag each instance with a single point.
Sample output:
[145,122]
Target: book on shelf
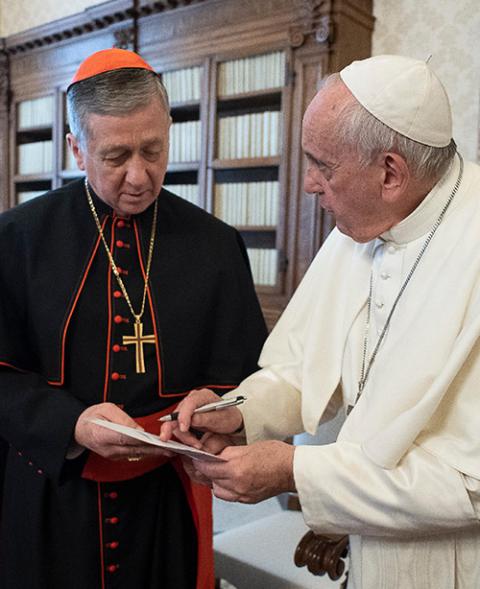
[247,203]
[251,74]
[35,113]
[35,158]
[264,265]
[183,85]
[249,136]
[185,142]
[187,191]
[26,195]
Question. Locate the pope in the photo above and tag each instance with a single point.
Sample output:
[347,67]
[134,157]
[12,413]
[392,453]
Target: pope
[385,329]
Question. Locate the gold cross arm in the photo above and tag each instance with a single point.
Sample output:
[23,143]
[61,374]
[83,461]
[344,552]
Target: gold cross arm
[138,339]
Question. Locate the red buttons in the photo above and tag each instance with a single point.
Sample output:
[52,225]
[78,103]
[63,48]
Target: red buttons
[112,520]
[118,319]
[119,243]
[121,223]
[117,294]
[117,376]
[112,545]
[116,348]
[111,495]
[112,568]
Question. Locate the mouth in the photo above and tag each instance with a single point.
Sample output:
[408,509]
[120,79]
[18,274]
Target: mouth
[136,195]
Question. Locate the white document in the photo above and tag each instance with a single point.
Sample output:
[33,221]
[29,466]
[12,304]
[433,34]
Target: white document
[147,438]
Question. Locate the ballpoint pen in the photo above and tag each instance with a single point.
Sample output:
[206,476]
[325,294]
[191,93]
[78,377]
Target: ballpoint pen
[217,406]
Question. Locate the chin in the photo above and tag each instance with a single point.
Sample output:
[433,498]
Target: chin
[357,237]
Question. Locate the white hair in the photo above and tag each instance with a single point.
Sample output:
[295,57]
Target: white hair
[356,127]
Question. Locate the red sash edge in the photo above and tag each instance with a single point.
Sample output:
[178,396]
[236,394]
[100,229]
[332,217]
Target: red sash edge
[199,497]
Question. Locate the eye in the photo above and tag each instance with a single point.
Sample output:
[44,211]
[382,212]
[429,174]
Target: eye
[115,159]
[320,167]
[152,154]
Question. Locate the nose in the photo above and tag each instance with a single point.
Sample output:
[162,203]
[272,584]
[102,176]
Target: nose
[310,184]
[136,173]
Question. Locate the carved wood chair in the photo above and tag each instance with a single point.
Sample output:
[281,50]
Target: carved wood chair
[323,555]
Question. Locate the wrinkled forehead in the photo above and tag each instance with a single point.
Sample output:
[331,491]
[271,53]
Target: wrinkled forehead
[324,110]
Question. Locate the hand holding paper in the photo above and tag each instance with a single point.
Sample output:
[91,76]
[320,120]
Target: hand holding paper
[154,440]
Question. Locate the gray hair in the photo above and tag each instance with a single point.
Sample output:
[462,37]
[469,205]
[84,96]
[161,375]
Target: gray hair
[118,92]
[356,127]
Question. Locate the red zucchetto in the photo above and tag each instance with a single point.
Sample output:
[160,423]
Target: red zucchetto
[108,60]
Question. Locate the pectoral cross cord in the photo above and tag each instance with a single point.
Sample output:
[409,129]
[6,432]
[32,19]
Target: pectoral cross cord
[137,339]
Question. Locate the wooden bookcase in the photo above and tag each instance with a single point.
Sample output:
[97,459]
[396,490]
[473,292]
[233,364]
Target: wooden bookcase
[240,74]
[32,137]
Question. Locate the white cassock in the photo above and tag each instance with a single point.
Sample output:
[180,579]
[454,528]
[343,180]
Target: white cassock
[403,478]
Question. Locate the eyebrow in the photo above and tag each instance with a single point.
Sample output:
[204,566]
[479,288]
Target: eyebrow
[310,157]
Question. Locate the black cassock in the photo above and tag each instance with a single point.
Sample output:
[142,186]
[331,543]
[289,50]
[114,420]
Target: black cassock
[62,322]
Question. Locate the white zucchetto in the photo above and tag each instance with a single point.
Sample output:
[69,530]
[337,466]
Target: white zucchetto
[404,94]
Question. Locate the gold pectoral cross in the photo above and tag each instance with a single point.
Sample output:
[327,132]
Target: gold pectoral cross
[138,339]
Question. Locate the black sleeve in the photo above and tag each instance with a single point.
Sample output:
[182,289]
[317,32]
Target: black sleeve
[36,419]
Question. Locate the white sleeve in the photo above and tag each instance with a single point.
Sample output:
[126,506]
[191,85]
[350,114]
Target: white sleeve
[272,410]
[343,492]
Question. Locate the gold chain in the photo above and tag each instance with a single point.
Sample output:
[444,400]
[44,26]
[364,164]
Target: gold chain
[112,261]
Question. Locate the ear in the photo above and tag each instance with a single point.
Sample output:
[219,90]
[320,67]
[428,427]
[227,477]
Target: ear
[396,177]
[77,151]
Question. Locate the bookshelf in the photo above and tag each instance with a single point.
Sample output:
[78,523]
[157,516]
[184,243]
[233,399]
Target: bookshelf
[33,138]
[247,125]
[186,157]
[41,159]
[239,75]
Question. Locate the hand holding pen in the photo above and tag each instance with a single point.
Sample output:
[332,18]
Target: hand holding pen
[217,406]
[203,410]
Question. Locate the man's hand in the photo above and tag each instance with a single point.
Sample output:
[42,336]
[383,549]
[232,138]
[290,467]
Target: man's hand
[251,473]
[110,444]
[225,421]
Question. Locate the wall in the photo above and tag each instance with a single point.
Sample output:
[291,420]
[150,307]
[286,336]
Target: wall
[450,31]
[20,15]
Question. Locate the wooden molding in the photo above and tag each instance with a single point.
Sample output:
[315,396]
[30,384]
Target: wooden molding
[125,38]
[90,20]
[314,18]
